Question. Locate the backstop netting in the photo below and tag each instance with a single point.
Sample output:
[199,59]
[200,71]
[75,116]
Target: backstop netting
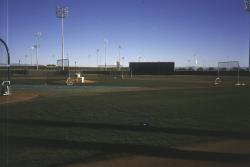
[4,69]
[65,62]
[228,72]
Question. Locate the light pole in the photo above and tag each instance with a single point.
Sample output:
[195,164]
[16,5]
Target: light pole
[75,66]
[26,59]
[31,54]
[62,12]
[105,44]
[139,59]
[89,60]
[119,56]
[247,5]
[7,22]
[195,62]
[97,56]
[37,36]
[53,59]
[189,63]
[122,65]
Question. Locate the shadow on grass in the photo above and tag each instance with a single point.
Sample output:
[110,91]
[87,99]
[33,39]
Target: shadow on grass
[138,128]
[133,149]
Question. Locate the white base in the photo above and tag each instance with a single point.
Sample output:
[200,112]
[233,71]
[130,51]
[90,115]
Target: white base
[240,84]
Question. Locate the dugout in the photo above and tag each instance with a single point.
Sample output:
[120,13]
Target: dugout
[151,68]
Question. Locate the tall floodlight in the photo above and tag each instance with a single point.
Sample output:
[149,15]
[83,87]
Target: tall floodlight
[247,5]
[62,12]
[105,44]
[36,46]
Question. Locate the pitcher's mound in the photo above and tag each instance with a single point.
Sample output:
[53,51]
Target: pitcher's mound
[89,81]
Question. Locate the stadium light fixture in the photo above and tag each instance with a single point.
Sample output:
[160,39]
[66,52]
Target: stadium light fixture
[36,46]
[247,4]
[247,7]
[62,13]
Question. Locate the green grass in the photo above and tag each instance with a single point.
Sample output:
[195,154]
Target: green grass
[177,106]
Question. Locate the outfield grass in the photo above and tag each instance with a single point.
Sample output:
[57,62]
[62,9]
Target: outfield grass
[87,123]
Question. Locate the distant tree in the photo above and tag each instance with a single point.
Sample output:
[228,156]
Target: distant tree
[234,69]
[211,69]
[223,69]
[200,69]
[51,65]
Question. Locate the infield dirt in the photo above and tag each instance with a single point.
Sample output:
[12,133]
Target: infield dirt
[229,146]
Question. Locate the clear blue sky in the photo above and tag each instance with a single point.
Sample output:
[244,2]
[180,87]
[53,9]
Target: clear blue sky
[156,30]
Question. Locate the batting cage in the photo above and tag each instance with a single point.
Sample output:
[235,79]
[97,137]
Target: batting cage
[4,68]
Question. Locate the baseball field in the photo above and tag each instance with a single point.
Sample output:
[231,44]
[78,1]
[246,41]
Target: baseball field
[140,121]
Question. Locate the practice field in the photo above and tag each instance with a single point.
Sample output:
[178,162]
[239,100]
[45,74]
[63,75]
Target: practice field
[163,120]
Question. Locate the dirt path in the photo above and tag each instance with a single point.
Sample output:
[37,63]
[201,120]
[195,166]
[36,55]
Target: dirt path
[231,146]
[143,161]
[18,97]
